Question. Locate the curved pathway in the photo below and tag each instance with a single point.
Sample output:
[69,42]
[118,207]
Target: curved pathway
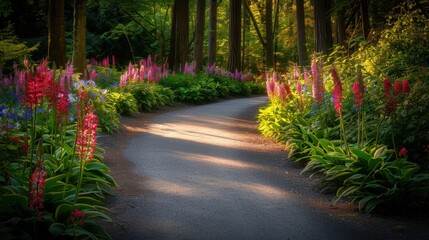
[205,172]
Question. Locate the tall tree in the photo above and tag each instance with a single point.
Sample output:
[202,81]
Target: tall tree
[365,17]
[300,24]
[322,26]
[269,32]
[199,33]
[212,32]
[234,40]
[56,33]
[179,42]
[79,35]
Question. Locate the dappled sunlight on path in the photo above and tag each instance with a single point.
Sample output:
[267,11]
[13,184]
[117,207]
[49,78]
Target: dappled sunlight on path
[208,174]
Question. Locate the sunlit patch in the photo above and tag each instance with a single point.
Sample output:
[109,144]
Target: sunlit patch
[217,161]
[172,188]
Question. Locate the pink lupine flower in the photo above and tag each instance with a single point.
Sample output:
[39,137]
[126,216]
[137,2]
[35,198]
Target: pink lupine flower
[338,92]
[296,72]
[390,98]
[318,88]
[358,94]
[405,86]
[281,92]
[37,187]
[86,136]
[271,86]
[77,217]
[397,88]
[403,152]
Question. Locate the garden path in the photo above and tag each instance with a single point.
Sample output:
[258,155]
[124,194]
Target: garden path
[204,172]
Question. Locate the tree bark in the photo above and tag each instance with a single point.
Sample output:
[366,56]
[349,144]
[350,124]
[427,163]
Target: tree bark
[212,32]
[79,36]
[56,33]
[300,22]
[199,34]
[322,26]
[269,32]
[365,18]
[234,43]
[179,43]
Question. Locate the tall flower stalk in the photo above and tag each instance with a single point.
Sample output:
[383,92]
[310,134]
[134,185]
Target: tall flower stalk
[318,88]
[86,137]
[338,104]
[358,92]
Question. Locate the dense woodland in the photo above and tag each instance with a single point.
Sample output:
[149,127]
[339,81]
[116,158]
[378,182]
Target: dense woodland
[232,34]
[347,85]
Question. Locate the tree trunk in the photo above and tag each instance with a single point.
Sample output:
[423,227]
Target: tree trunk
[322,26]
[56,34]
[179,43]
[234,43]
[365,18]
[79,36]
[300,23]
[212,32]
[269,32]
[199,34]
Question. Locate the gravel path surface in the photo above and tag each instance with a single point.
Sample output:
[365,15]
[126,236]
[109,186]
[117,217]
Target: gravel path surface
[205,172]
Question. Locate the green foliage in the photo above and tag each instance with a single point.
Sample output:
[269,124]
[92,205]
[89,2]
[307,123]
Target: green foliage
[125,103]
[364,164]
[150,96]
[11,49]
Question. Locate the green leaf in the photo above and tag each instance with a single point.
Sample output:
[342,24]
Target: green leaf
[361,154]
[57,229]
[63,212]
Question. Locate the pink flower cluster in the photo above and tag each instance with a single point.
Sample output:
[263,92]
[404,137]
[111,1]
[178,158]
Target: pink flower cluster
[37,186]
[77,217]
[105,62]
[391,92]
[237,75]
[147,70]
[318,88]
[358,94]
[277,90]
[403,152]
[86,128]
[338,92]
[86,136]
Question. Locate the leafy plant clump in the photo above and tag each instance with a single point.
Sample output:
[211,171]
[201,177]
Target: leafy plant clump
[359,120]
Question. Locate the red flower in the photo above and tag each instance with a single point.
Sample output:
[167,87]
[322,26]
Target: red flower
[397,88]
[86,136]
[405,86]
[358,94]
[77,217]
[37,186]
[318,88]
[402,152]
[338,92]
[390,98]
[15,139]
[387,88]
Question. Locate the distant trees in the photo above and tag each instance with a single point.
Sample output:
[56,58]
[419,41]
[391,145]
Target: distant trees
[322,26]
[79,36]
[199,33]
[234,39]
[179,38]
[56,33]
[300,25]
